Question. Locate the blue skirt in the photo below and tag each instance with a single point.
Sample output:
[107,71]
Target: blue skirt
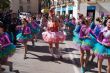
[7,51]
[69,24]
[35,31]
[101,50]
[66,23]
[21,38]
[76,39]
[88,43]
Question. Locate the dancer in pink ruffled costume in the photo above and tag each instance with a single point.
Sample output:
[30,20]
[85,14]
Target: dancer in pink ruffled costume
[52,35]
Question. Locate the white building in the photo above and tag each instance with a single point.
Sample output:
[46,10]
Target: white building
[93,8]
[66,7]
[25,6]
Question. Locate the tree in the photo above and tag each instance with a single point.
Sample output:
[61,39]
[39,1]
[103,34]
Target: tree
[4,4]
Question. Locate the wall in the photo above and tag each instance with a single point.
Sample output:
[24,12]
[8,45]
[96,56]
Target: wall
[14,5]
[100,7]
[33,5]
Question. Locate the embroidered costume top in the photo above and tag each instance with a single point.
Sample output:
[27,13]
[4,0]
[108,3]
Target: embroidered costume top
[26,30]
[104,37]
[4,40]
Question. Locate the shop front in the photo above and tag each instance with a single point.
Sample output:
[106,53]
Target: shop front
[70,11]
[91,11]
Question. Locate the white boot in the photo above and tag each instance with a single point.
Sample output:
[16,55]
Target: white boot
[52,52]
[58,53]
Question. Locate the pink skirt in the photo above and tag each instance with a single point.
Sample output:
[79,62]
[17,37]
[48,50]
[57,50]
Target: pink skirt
[53,37]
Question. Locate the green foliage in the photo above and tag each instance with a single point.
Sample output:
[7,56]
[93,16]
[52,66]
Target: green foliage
[4,4]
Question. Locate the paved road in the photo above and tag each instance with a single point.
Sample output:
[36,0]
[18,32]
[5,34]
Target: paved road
[39,60]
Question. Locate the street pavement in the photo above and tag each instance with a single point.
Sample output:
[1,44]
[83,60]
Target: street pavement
[39,60]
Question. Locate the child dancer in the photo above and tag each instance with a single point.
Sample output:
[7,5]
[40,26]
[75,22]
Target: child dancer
[76,38]
[25,35]
[6,47]
[96,31]
[35,29]
[98,26]
[102,48]
[52,35]
[86,45]
[72,25]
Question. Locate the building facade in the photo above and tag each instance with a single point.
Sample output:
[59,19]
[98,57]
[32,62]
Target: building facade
[66,7]
[91,8]
[95,8]
[25,6]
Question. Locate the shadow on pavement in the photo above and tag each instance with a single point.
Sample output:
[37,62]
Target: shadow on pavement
[42,49]
[16,71]
[66,60]
[69,49]
[45,58]
[18,45]
[76,61]
[95,71]
[92,65]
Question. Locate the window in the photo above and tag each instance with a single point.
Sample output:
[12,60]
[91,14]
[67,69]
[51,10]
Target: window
[70,1]
[28,8]
[28,1]
[21,8]
[20,1]
[52,2]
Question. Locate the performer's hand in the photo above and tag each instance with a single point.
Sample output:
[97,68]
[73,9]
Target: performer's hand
[86,37]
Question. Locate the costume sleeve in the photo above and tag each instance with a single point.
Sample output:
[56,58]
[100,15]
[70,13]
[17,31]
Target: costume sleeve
[91,32]
[5,40]
[81,33]
[100,37]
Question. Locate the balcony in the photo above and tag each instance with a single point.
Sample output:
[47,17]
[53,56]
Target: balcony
[91,1]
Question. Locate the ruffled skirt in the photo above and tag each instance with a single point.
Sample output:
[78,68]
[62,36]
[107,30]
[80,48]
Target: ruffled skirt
[53,37]
[101,50]
[76,40]
[88,43]
[22,38]
[35,31]
[69,24]
[7,51]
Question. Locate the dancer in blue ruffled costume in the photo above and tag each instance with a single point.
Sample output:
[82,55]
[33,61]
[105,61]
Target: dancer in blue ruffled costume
[102,48]
[87,44]
[98,26]
[7,48]
[35,29]
[76,38]
[66,20]
[96,31]
[25,35]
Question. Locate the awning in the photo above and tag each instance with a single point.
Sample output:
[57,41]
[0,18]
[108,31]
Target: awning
[70,7]
[63,9]
[58,9]
[91,7]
